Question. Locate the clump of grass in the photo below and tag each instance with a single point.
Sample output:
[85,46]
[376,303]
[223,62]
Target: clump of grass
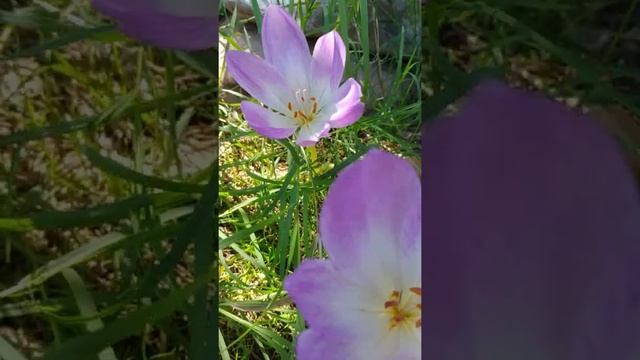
[273,190]
[108,190]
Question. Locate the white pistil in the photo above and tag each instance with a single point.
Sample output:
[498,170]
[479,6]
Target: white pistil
[303,108]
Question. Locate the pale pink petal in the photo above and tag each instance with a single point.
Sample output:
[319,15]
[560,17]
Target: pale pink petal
[349,108]
[314,279]
[338,310]
[327,66]
[370,226]
[259,78]
[531,216]
[323,344]
[188,7]
[266,122]
[371,220]
[285,46]
[310,134]
[154,24]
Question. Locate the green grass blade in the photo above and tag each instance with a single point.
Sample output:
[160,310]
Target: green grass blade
[222,345]
[8,352]
[285,229]
[89,345]
[363,29]
[83,253]
[27,307]
[258,15]
[202,62]
[274,340]
[245,233]
[66,127]
[68,37]
[87,308]
[202,215]
[76,218]
[114,168]
[31,17]
[203,319]
[91,216]
[344,32]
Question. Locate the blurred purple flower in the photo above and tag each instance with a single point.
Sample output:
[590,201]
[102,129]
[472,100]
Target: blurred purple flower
[364,302]
[302,92]
[186,25]
[532,225]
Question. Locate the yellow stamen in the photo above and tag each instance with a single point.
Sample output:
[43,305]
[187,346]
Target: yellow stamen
[302,112]
[404,311]
[390,303]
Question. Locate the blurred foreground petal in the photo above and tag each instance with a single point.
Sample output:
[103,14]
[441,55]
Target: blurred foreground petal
[532,234]
[191,26]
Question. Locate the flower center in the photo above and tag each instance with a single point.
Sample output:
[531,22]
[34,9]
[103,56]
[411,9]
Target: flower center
[303,108]
[404,311]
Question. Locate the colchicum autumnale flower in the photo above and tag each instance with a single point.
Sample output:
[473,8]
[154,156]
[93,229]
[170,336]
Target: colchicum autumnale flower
[532,234]
[364,302]
[186,24]
[301,92]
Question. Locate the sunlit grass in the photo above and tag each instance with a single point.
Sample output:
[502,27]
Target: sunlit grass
[107,221]
[271,191]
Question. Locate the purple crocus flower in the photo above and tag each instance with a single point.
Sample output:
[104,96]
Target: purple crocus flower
[532,231]
[301,92]
[186,24]
[364,302]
